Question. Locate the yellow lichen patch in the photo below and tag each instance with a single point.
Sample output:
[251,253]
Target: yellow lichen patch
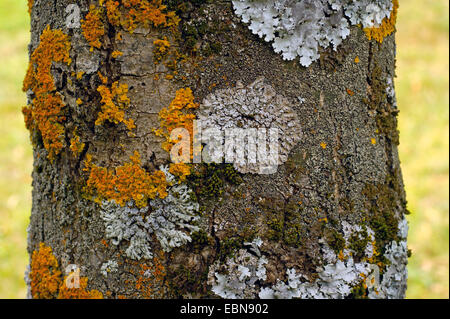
[112,11]
[44,113]
[114,101]
[30,5]
[93,27]
[124,183]
[46,279]
[386,28]
[104,79]
[161,49]
[80,75]
[323,145]
[45,275]
[173,117]
[375,255]
[79,101]
[151,278]
[168,55]
[373,141]
[357,60]
[79,293]
[131,14]
[76,146]
[116,54]
[180,170]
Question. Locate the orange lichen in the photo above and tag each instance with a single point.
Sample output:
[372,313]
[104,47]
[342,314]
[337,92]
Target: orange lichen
[114,101]
[181,170]
[124,183]
[173,117]
[80,75]
[45,275]
[131,14]
[375,255]
[93,27]
[167,54]
[30,5]
[112,11]
[76,146]
[151,278]
[116,54]
[161,49]
[44,113]
[46,279]
[386,28]
[357,60]
[79,293]
[341,255]
[104,79]
[350,92]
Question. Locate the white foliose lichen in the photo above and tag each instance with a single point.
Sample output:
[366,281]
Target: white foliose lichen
[299,27]
[242,272]
[170,220]
[390,91]
[393,283]
[335,280]
[256,107]
[109,267]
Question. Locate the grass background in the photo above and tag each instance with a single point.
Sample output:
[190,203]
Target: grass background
[423,98]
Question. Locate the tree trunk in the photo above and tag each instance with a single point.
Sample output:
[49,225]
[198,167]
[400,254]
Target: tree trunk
[109,81]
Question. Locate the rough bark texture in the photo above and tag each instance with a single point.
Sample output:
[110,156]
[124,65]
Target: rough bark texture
[343,171]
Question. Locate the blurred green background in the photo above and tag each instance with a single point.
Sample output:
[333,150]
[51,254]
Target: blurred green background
[423,98]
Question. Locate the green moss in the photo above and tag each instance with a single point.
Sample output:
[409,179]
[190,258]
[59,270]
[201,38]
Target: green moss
[381,204]
[181,6]
[283,221]
[293,235]
[185,281]
[359,291]
[275,232]
[228,247]
[208,181]
[334,239]
[358,242]
[386,114]
[200,36]
[200,240]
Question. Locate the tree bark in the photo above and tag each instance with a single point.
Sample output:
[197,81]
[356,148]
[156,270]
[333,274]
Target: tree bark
[331,216]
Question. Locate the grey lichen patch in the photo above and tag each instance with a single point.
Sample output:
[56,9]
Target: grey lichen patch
[171,220]
[111,266]
[299,28]
[245,274]
[237,277]
[256,106]
[393,284]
